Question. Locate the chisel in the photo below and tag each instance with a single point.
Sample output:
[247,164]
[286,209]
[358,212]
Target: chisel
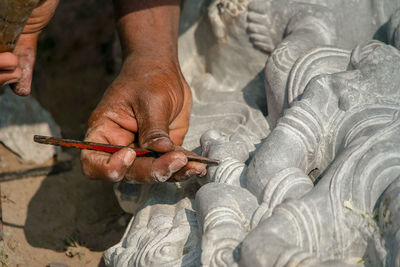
[140,152]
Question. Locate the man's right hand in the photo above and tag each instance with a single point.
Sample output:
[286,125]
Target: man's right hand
[16,68]
[147,105]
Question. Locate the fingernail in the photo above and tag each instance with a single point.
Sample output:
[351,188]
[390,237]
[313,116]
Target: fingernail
[177,165]
[162,139]
[191,172]
[10,82]
[129,157]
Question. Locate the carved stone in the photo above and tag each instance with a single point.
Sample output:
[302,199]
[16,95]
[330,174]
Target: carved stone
[320,188]
[346,125]
[163,233]
[289,29]
[352,136]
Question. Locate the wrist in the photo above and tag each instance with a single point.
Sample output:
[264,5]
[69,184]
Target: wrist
[148,28]
[136,62]
[138,45]
[156,58]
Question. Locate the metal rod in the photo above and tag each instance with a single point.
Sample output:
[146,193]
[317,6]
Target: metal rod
[110,148]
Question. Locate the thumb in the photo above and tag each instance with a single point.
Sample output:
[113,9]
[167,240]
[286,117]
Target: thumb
[153,125]
[26,52]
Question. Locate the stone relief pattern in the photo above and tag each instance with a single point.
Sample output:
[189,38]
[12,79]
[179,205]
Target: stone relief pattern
[342,117]
[161,235]
[389,224]
[334,219]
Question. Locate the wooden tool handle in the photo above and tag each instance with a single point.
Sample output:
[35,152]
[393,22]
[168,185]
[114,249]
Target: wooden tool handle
[13,17]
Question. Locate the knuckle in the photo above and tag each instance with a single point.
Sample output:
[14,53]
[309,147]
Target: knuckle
[160,175]
[86,165]
[114,175]
[87,172]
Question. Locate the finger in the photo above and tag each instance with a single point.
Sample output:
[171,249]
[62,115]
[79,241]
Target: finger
[152,116]
[264,46]
[154,170]
[190,169]
[111,167]
[23,87]
[26,52]
[108,132]
[256,28]
[8,61]
[258,6]
[10,76]
[257,18]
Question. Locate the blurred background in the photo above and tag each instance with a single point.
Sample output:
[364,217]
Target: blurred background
[75,62]
[65,219]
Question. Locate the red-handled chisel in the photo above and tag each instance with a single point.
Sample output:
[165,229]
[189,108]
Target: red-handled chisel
[110,148]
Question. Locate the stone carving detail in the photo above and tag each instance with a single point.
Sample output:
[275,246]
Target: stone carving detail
[225,221]
[161,234]
[289,29]
[389,224]
[341,102]
[347,126]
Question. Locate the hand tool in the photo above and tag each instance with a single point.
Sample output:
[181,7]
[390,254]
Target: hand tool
[140,152]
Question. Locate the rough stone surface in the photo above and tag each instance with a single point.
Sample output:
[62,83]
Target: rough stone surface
[289,29]
[163,233]
[341,99]
[352,136]
[20,119]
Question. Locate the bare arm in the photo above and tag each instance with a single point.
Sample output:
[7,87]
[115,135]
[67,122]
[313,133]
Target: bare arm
[149,102]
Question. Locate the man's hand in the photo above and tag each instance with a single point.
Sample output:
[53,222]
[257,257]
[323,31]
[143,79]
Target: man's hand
[148,105]
[16,68]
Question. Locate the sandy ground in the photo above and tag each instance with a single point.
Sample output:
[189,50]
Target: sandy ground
[64,218]
[44,216]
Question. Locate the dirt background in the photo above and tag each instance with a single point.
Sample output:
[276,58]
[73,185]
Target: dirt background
[65,218]
[75,62]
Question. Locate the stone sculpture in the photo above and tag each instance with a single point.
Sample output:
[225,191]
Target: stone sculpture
[288,29]
[162,235]
[346,125]
[261,206]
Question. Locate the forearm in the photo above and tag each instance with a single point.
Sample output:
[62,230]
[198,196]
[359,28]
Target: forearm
[148,27]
